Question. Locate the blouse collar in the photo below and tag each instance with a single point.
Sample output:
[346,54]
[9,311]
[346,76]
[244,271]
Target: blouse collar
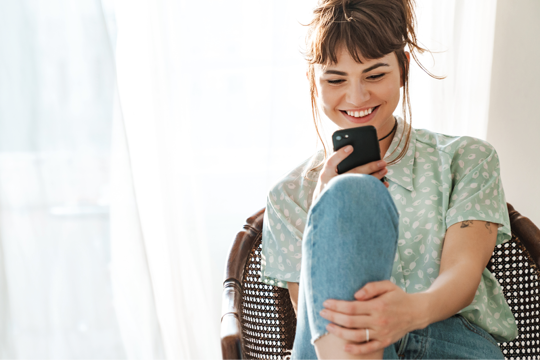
[401,172]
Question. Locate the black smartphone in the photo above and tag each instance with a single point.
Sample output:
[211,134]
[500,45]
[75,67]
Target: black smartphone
[365,147]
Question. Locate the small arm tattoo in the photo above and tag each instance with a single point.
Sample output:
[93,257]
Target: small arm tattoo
[467,223]
[488,226]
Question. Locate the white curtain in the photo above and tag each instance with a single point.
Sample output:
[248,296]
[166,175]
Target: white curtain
[461,32]
[56,102]
[205,88]
[211,108]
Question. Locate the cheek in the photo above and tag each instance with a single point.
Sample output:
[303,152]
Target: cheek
[329,97]
[390,90]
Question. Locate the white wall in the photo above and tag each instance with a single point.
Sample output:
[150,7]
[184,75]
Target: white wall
[514,117]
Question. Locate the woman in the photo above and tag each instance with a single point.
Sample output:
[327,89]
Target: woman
[395,270]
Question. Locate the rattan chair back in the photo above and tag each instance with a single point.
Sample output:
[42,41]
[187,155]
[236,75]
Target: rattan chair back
[258,321]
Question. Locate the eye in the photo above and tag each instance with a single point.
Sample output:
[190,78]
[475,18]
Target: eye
[339,81]
[374,77]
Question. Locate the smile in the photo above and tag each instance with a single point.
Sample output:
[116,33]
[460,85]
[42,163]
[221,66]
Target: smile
[360,116]
[360,113]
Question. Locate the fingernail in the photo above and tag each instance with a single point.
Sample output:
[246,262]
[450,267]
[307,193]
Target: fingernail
[383,171]
[380,164]
[348,148]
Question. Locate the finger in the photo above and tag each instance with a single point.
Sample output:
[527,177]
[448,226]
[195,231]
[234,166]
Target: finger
[366,348]
[338,157]
[369,168]
[373,289]
[380,174]
[386,184]
[345,320]
[347,307]
[354,335]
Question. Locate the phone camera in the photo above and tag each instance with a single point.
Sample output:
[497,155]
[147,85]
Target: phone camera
[346,136]
[338,138]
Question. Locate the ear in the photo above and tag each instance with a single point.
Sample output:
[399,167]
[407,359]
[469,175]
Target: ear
[408,55]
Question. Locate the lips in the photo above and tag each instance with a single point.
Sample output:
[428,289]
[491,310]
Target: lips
[361,120]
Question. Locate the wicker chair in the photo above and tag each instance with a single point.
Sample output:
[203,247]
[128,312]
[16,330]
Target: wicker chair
[258,320]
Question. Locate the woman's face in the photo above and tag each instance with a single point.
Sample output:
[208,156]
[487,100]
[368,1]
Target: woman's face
[353,94]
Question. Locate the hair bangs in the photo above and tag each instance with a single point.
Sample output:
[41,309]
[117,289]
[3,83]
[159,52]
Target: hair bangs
[364,33]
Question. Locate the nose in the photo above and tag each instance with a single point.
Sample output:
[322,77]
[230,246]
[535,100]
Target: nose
[357,94]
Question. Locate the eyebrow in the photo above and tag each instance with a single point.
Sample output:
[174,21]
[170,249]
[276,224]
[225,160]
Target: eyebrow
[342,73]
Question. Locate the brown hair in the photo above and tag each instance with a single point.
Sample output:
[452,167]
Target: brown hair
[366,28]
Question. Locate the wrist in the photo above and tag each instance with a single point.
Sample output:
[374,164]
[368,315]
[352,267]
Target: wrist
[421,310]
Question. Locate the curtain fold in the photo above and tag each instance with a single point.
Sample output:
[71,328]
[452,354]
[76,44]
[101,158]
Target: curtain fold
[6,340]
[159,143]
[57,76]
[132,284]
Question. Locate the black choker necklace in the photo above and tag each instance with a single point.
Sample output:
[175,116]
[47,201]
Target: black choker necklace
[394,128]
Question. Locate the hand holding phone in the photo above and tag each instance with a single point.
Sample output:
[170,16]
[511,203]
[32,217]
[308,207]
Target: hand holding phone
[364,142]
[345,158]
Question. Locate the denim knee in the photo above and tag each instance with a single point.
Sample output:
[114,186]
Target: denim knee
[356,181]
[341,189]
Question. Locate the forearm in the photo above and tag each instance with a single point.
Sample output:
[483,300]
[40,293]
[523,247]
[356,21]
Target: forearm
[452,290]
[468,246]
[293,292]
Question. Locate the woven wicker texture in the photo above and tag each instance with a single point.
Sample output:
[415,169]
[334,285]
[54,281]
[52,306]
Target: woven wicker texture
[518,276]
[269,322]
[268,319]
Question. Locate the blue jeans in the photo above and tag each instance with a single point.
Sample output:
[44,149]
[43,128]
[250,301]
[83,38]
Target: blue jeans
[350,239]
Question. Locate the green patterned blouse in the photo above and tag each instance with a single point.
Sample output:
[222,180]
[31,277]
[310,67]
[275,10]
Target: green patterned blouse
[441,180]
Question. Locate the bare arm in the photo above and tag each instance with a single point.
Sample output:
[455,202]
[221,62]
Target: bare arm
[467,248]
[293,292]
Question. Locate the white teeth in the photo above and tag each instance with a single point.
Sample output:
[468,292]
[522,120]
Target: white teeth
[360,113]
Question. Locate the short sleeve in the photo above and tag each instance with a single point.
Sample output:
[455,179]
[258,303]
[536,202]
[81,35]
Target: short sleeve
[478,193]
[284,221]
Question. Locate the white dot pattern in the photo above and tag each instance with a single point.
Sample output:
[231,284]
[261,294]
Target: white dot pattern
[441,181]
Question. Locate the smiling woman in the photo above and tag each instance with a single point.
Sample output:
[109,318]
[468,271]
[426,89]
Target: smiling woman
[382,271]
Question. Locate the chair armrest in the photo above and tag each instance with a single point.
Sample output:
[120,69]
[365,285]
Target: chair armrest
[527,232]
[231,311]
[241,247]
[231,329]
